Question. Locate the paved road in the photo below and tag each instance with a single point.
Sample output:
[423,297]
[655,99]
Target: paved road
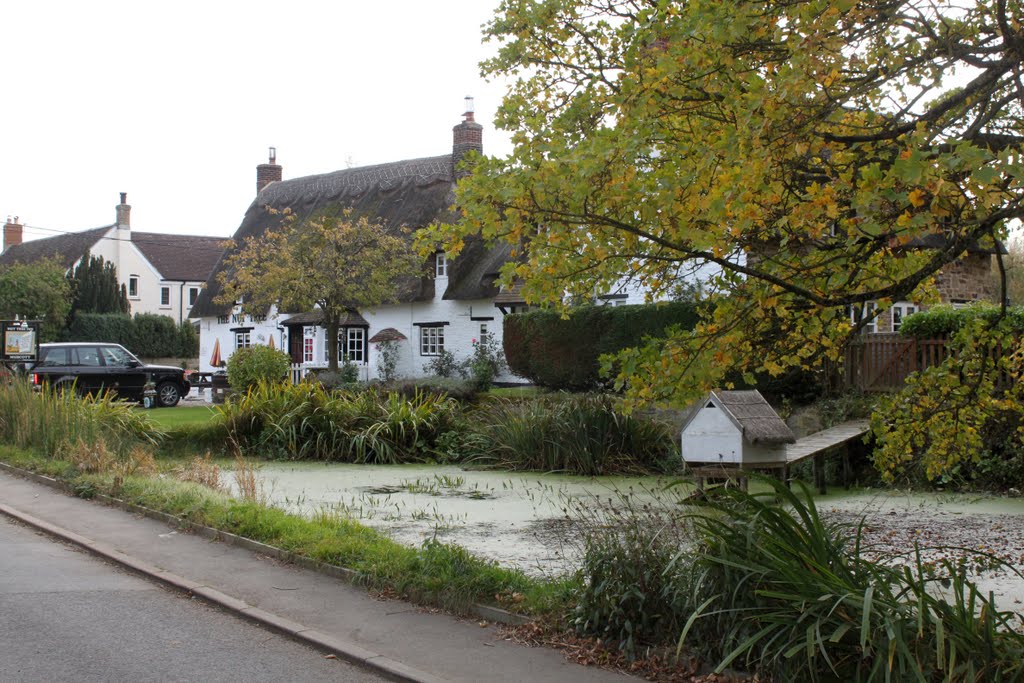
[67,616]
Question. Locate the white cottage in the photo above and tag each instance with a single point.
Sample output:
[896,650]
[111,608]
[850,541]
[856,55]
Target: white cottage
[735,428]
[448,310]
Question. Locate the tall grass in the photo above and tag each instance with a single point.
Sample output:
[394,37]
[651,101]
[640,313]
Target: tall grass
[579,434]
[306,421]
[778,589]
[53,421]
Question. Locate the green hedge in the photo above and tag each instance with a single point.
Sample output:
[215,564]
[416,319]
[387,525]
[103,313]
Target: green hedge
[944,321]
[564,353]
[147,335]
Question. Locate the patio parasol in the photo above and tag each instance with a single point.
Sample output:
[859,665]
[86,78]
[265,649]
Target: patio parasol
[272,343]
[215,358]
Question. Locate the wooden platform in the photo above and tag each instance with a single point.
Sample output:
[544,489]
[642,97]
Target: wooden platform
[811,446]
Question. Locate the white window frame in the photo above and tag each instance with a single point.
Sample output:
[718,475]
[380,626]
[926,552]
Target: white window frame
[133,286]
[441,264]
[165,297]
[900,310]
[243,340]
[308,344]
[484,333]
[858,313]
[355,344]
[193,294]
[431,340]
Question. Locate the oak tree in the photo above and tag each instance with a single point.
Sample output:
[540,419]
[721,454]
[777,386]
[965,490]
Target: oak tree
[805,150]
[334,261]
[36,291]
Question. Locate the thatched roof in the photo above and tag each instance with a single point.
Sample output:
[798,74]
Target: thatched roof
[386,335]
[410,194]
[750,412]
[351,319]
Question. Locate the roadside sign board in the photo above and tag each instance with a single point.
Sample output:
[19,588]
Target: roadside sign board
[20,340]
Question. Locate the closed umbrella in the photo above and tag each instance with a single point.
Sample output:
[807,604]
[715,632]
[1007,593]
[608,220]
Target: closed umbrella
[215,358]
[272,343]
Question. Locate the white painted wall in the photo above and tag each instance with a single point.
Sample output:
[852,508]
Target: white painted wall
[713,438]
[460,332]
[116,247]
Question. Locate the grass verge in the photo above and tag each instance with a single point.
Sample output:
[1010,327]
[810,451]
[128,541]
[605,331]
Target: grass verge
[436,573]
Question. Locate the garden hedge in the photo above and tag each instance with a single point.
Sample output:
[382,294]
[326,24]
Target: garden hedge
[147,335]
[944,321]
[564,353]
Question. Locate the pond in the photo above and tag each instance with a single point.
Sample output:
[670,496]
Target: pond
[524,521]
[519,520]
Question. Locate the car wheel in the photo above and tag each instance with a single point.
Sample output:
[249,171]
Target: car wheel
[168,394]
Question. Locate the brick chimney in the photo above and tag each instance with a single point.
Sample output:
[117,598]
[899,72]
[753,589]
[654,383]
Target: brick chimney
[467,136]
[124,213]
[269,172]
[13,233]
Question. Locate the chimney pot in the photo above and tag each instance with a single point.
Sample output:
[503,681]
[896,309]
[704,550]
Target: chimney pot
[269,172]
[124,213]
[13,233]
[466,137]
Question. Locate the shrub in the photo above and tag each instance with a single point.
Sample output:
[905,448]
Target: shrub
[387,360]
[945,321]
[443,365]
[774,587]
[564,353]
[248,367]
[486,362]
[146,335]
[458,389]
[306,421]
[582,435]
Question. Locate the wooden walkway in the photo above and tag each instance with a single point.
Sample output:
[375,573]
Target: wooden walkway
[825,439]
[811,446]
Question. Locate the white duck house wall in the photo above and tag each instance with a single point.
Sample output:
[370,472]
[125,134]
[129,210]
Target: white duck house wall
[736,428]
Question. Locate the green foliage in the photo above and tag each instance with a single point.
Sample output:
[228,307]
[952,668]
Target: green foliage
[443,365]
[387,360]
[257,364]
[579,434]
[632,587]
[937,422]
[36,291]
[565,353]
[775,588]
[147,335]
[485,363]
[945,321]
[94,287]
[52,421]
[458,389]
[335,260]
[306,421]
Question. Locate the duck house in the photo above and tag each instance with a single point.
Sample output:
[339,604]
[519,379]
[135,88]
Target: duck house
[736,429]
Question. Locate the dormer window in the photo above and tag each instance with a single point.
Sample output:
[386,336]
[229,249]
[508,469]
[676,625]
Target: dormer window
[442,264]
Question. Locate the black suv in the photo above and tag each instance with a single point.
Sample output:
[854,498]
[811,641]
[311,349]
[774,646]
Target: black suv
[92,368]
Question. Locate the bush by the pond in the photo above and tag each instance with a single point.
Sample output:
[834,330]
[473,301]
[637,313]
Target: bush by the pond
[250,366]
[768,586]
[577,434]
[306,421]
[51,421]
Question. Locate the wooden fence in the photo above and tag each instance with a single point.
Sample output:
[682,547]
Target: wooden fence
[882,362]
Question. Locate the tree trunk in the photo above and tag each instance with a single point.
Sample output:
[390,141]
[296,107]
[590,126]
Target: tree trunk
[332,344]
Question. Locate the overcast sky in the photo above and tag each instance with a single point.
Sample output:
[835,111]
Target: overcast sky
[177,103]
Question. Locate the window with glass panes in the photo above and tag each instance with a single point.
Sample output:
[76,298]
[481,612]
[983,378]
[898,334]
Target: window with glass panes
[431,341]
